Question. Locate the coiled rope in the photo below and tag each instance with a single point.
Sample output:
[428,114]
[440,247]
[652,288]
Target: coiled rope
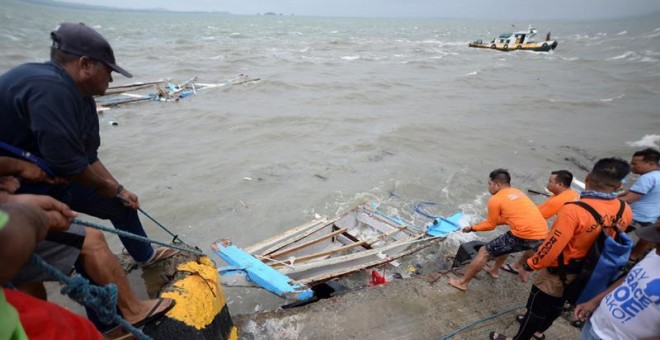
[102,299]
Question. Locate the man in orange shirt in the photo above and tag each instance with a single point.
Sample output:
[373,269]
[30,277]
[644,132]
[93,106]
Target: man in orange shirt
[507,206]
[559,184]
[572,235]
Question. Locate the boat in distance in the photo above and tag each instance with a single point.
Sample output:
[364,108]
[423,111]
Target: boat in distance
[518,41]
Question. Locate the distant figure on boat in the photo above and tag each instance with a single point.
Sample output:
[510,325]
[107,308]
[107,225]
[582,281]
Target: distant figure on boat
[547,37]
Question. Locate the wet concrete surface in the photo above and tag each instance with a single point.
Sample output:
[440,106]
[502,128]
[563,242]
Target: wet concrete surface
[410,308]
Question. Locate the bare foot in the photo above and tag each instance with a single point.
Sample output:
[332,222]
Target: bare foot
[523,275]
[456,283]
[493,272]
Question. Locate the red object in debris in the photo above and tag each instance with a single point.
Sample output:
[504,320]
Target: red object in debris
[377,278]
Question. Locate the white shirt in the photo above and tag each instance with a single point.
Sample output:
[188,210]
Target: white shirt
[632,310]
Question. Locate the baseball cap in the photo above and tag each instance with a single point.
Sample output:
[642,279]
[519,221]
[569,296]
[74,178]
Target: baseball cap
[649,233]
[82,40]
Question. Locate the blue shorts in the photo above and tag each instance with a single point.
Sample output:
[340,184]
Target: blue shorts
[508,243]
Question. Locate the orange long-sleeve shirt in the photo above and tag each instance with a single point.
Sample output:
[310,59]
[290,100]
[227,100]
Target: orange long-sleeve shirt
[550,207]
[575,230]
[510,206]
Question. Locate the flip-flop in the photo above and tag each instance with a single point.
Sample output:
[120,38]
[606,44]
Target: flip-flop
[499,336]
[160,253]
[153,315]
[508,268]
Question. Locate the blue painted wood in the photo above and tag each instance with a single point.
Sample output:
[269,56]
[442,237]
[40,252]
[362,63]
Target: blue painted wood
[441,227]
[263,275]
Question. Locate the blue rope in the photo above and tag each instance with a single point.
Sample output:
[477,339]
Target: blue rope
[135,237]
[175,237]
[102,299]
[418,209]
[444,337]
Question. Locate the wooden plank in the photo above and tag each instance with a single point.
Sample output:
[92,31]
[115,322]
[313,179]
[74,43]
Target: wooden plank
[279,237]
[306,244]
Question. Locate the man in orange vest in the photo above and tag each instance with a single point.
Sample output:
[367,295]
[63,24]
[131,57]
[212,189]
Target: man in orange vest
[559,184]
[508,206]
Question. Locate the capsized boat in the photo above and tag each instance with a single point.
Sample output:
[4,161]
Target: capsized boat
[161,90]
[290,263]
[522,40]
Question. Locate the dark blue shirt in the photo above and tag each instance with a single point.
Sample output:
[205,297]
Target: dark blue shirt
[43,112]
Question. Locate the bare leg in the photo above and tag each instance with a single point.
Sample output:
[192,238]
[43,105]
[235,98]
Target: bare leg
[102,267]
[495,270]
[475,266]
[523,274]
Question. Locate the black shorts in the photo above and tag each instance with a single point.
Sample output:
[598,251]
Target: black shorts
[508,243]
[60,249]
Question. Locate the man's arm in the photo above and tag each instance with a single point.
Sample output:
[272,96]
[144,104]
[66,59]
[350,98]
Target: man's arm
[583,311]
[58,214]
[22,226]
[28,171]
[630,196]
[97,176]
[560,234]
[493,219]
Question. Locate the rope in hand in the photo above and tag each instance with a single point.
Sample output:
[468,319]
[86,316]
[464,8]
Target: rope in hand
[135,237]
[444,337]
[102,299]
[124,200]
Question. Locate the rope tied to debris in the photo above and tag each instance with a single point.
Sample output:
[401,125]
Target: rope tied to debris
[136,237]
[103,299]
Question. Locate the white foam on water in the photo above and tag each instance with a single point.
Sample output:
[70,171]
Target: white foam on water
[622,33]
[646,141]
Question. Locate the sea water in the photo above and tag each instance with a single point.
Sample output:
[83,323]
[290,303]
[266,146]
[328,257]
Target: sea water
[352,110]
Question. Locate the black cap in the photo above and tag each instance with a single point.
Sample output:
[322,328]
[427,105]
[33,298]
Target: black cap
[82,40]
[649,233]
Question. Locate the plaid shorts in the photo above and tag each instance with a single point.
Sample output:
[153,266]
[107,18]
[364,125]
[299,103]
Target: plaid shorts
[508,243]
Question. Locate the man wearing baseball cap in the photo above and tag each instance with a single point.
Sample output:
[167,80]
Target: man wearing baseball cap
[48,113]
[630,308]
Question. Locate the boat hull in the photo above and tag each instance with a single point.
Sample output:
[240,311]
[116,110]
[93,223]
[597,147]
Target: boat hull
[290,263]
[542,46]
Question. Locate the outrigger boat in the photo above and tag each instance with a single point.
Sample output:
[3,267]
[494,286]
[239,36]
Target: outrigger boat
[522,40]
[168,92]
[291,263]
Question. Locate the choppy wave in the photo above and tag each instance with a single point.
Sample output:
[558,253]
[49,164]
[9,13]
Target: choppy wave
[651,141]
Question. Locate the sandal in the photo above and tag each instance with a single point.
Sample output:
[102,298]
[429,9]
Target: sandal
[153,315]
[160,253]
[492,336]
[520,318]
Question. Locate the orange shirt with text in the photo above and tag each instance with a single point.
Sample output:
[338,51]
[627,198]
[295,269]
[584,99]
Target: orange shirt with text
[550,207]
[575,230]
[511,206]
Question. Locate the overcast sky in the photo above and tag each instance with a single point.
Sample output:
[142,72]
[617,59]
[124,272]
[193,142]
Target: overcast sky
[496,9]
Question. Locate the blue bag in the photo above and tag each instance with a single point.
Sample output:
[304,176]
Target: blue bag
[604,260]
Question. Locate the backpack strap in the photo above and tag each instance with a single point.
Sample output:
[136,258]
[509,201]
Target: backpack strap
[599,220]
